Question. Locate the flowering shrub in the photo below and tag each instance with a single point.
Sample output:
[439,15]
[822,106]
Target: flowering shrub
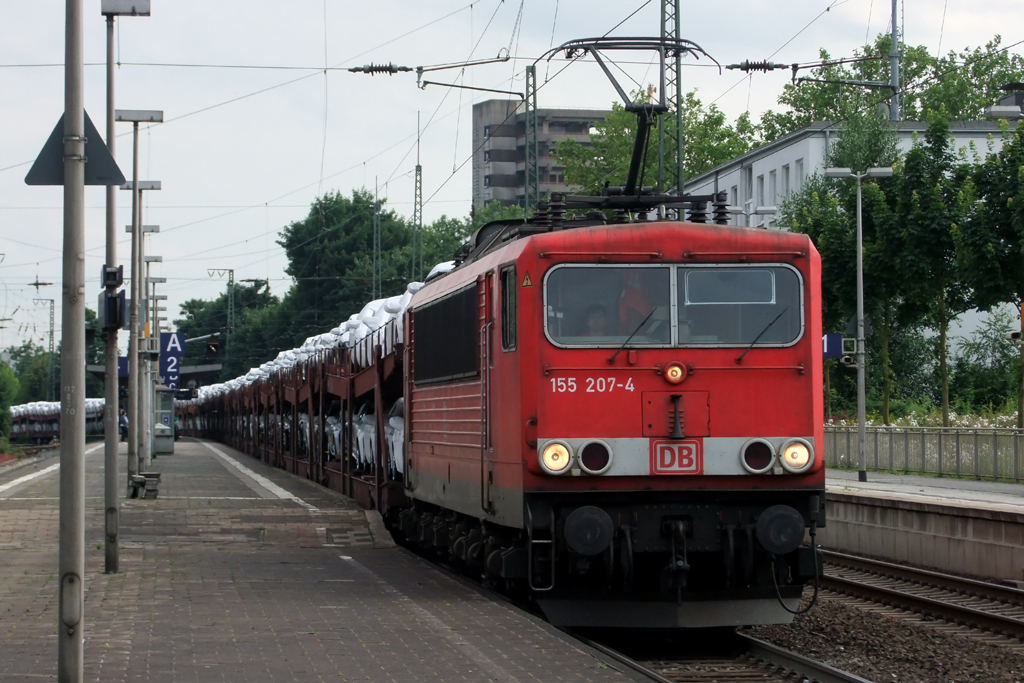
[934,419]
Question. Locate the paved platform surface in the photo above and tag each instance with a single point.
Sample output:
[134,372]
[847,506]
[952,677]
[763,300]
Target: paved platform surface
[241,572]
[986,494]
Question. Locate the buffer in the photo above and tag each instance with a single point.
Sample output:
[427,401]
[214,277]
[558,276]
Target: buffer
[100,167]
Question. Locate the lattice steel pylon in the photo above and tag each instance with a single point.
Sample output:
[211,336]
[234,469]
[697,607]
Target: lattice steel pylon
[49,369]
[417,214]
[230,272]
[670,129]
[532,179]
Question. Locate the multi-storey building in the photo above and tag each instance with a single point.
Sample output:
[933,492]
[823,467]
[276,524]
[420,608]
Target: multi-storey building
[499,141]
[763,177]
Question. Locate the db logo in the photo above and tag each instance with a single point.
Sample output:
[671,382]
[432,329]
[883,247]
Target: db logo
[676,457]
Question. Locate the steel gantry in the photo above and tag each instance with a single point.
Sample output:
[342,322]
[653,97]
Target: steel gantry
[670,131]
[532,194]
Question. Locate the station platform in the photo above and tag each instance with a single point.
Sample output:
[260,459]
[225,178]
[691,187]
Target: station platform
[963,526]
[242,572]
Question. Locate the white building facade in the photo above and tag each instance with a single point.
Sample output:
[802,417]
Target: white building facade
[765,176]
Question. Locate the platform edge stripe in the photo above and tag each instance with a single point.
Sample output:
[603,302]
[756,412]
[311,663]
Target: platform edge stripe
[36,475]
[436,624]
[261,480]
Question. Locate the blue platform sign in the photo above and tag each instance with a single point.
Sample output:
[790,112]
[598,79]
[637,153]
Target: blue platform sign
[831,346]
[172,350]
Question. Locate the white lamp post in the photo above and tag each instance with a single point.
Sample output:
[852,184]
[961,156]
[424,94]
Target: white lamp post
[884,172]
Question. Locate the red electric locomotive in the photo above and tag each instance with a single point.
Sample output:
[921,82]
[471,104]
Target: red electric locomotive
[623,416]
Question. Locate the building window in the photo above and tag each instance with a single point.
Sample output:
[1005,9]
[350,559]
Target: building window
[785,180]
[487,181]
[553,178]
[487,131]
[772,187]
[487,157]
[748,184]
[799,175]
[734,200]
[760,191]
[509,286]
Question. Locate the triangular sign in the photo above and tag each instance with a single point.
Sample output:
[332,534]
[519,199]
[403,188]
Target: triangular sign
[527,282]
[100,167]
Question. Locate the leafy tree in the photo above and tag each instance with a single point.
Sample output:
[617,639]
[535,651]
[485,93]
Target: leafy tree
[707,141]
[934,201]
[985,365]
[8,396]
[962,83]
[31,365]
[826,211]
[991,249]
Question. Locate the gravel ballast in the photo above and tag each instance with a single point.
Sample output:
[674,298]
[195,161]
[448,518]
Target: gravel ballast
[886,649]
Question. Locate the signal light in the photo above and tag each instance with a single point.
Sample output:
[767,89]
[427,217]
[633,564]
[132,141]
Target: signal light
[556,458]
[212,348]
[675,373]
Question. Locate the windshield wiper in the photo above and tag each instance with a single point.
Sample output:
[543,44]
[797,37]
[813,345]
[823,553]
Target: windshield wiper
[761,334]
[630,337]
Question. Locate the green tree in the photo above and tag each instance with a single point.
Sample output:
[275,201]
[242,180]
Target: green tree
[963,83]
[935,199]
[8,397]
[990,250]
[985,365]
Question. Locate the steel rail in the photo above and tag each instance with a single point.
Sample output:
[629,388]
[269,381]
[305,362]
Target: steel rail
[982,589]
[910,597]
[760,652]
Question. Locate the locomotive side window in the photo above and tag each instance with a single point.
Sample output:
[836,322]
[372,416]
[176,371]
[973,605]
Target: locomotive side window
[447,338]
[509,314]
[602,306]
[733,306]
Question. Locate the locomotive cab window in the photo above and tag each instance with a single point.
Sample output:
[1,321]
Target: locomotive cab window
[602,306]
[509,314]
[736,305]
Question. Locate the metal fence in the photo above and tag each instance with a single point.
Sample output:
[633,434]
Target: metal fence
[989,453]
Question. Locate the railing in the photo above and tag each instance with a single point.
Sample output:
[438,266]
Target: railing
[990,453]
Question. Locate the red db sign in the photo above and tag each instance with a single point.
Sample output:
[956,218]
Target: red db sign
[676,457]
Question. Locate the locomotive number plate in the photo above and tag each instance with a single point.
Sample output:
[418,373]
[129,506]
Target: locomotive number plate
[591,385]
[677,457]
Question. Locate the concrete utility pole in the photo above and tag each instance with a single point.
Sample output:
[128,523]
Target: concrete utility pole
[111,378]
[134,412]
[111,389]
[883,172]
[71,556]
[894,69]
[146,426]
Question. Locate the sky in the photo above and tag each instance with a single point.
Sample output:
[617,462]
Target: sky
[255,128]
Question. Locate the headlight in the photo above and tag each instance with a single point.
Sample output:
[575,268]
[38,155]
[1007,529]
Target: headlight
[556,458]
[796,456]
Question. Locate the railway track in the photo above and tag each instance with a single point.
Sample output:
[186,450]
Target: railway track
[729,657]
[966,602]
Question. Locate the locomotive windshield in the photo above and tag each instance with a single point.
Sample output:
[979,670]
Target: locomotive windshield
[604,305]
[601,306]
[732,305]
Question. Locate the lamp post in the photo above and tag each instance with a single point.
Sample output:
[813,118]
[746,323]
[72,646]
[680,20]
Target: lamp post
[135,117]
[876,172]
[146,454]
[110,9]
[766,211]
